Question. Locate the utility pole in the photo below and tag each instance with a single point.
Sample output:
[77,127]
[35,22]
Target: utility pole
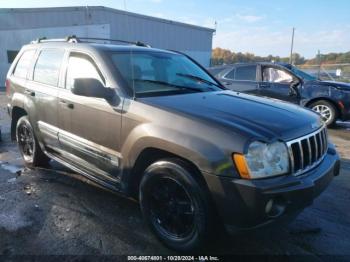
[125,5]
[319,63]
[291,48]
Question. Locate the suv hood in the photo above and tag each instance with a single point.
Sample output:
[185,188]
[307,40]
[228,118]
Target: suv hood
[253,116]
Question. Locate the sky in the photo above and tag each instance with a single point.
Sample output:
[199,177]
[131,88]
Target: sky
[254,26]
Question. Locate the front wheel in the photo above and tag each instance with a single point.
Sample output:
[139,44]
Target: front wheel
[175,206]
[327,111]
[28,144]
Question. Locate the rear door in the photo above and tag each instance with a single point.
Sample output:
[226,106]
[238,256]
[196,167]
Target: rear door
[276,83]
[89,127]
[242,78]
[42,87]
[21,71]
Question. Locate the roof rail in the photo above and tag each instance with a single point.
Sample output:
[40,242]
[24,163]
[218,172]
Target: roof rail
[70,39]
[137,43]
[75,39]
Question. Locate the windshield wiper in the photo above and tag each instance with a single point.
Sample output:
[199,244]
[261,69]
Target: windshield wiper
[199,79]
[169,84]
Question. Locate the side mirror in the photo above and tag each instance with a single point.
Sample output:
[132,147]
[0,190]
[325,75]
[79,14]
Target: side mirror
[91,87]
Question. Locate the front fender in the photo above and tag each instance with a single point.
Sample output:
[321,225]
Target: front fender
[314,92]
[204,154]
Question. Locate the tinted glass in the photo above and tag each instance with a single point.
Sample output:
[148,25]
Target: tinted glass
[47,68]
[148,73]
[246,73]
[23,64]
[231,74]
[81,66]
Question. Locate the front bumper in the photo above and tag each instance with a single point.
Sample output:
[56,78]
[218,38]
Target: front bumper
[345,108]
[345,115]
[243,204]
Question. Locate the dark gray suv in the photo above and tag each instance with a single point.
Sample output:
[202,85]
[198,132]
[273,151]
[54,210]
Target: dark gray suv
[154,125]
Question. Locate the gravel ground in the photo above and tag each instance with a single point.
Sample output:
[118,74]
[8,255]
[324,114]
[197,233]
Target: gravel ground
[57,212]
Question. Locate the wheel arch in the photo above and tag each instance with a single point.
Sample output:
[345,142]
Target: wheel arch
[327,99]
[151,155]
[17,113]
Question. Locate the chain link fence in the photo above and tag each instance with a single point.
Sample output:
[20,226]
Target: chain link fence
[332,72]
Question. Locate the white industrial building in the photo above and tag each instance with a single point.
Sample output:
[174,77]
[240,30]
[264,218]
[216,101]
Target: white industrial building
[20,26]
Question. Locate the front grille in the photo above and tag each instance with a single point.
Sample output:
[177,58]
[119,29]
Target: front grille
[307,151]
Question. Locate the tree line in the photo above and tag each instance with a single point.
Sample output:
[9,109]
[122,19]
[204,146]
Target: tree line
[222,56]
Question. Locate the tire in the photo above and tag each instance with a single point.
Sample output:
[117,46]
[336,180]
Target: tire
[28,144]
[175,206]
[327,110]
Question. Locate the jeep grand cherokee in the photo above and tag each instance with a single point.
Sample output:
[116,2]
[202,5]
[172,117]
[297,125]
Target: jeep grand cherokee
[154,125]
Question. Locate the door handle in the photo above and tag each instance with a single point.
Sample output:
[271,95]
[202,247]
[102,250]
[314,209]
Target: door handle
[69,105]
[29,92]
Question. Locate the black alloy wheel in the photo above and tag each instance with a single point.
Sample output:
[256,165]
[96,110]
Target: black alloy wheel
[176,206]
[28,144]
[172,209]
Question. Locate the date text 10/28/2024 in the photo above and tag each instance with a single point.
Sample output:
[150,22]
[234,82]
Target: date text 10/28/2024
[173,258]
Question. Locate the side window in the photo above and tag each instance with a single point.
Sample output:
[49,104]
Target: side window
[47,68]
[274,75]
[81,66]
[23,64]
[231,75]
[246,73]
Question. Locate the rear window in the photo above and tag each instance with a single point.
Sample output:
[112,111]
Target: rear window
[47,68]
[23,64]
[246,73]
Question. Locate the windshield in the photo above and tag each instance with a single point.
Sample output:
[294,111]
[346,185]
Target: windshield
[160,73]
[302,74]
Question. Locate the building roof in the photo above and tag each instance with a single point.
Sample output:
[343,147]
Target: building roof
[100,8]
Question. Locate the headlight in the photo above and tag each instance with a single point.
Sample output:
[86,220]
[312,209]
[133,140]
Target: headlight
[263,160]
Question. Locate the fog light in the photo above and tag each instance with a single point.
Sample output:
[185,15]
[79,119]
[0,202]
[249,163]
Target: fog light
[268,206]
[275,207]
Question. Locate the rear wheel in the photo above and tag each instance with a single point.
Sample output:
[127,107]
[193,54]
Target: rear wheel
[175,206]
[28,144]
[327,111]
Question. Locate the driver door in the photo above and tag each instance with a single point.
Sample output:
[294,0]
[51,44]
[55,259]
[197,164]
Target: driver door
[276,83]
[90,127]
